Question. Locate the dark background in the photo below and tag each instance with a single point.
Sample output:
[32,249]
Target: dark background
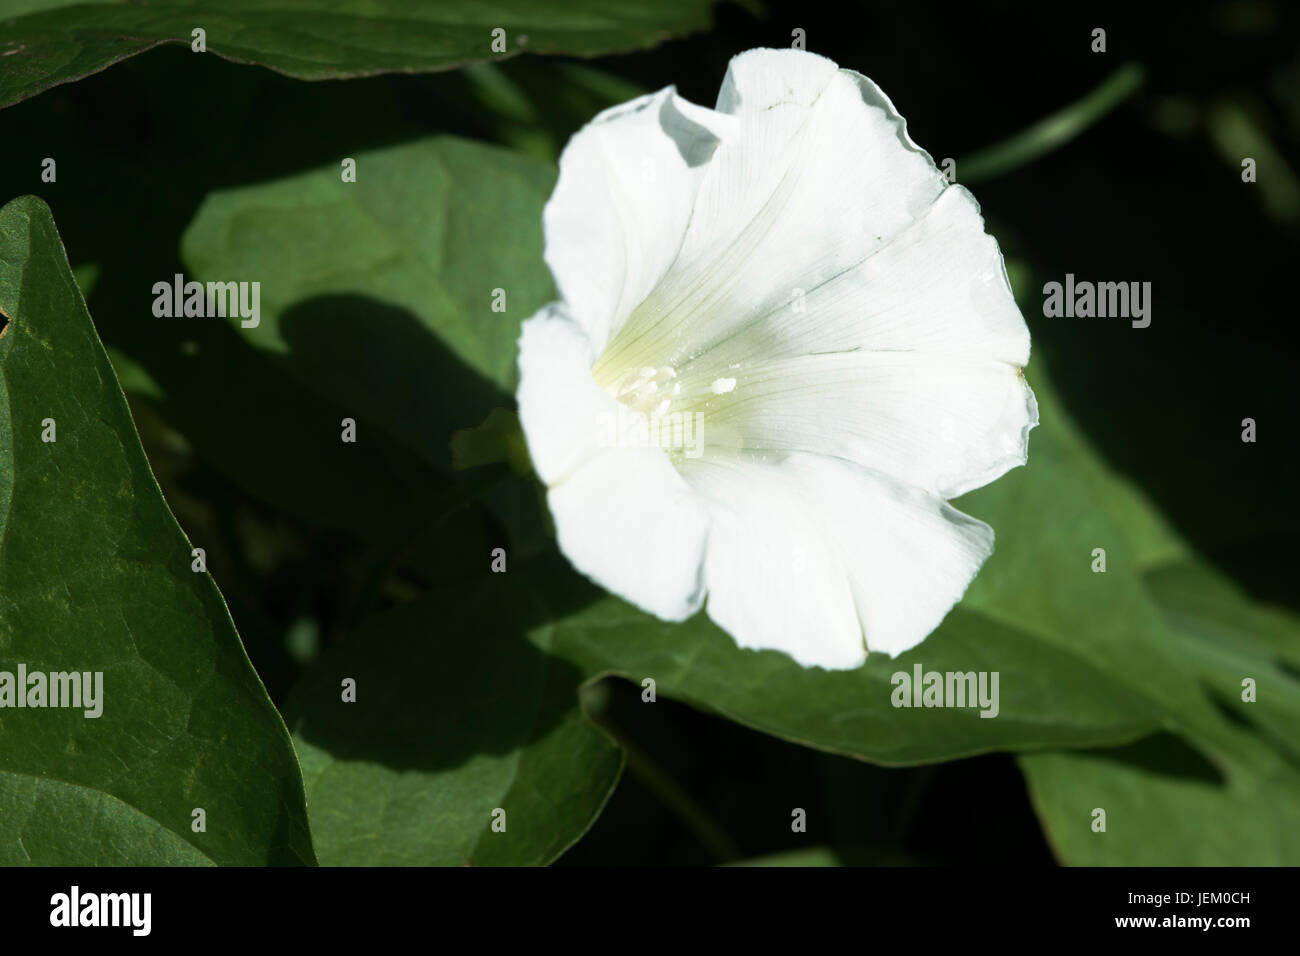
[1152,192]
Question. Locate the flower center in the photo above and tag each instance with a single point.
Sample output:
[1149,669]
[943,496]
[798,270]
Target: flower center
[649,390]
[661,407]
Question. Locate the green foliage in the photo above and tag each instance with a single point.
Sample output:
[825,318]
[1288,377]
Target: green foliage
[55,42]
[1231,800]
[95,576]
[404,305]
[458,717]
[1033,611]
[481,688]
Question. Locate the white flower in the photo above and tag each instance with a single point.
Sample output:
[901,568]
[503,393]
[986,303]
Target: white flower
[790,279]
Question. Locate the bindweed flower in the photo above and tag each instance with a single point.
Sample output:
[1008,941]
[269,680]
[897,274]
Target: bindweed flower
[783,341]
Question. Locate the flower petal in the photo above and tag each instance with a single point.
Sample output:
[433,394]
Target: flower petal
[820,175]
[942,423]
[939,287]
[627,186]
[821,559]
[561,409]
[628,521]
[773,577]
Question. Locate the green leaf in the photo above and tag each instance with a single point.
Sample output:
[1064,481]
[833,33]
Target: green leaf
[460,712]
[53,822]
[850,712]
[1168,805]
[95,576]
[51,42]
[1229,639]
[1232,800]
[398,296]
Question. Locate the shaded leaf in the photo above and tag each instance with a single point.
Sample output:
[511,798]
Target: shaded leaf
[383,294]
[52,42]
[459,722]
[95,576]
